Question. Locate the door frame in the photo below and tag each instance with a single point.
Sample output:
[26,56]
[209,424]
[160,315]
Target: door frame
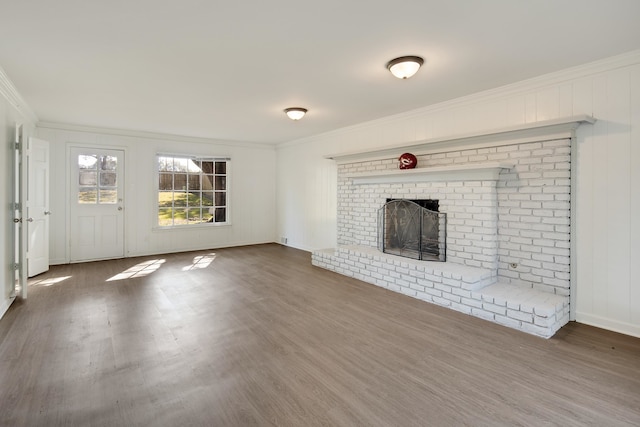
[20,210]
[70,146]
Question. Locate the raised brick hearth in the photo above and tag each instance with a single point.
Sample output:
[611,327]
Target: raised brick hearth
[466,289]
[508,233]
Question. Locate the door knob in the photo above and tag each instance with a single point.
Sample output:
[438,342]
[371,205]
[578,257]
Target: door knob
[119,208]
[47,212]
[30,219]
[16,220]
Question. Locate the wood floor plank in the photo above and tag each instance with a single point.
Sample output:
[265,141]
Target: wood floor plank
[258,336]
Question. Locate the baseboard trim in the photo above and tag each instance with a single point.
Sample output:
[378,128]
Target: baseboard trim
[5,304]
[609,324]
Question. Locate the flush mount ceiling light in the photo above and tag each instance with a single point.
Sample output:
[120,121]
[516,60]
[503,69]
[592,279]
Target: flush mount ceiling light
[405,66]
[295,113]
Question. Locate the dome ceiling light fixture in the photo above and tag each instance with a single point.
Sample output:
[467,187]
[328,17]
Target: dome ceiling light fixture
[295,113]
[405,66]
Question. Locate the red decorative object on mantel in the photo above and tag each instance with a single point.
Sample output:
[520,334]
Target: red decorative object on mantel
[407,161]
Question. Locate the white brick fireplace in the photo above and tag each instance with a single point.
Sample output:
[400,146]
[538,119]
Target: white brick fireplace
[507,196]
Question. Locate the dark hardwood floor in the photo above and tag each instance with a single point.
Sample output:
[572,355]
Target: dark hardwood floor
[257,336]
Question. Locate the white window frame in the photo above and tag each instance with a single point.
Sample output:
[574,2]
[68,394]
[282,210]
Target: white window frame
[193,157]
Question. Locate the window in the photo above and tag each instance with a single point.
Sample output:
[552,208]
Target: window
[192,190]
[97,179]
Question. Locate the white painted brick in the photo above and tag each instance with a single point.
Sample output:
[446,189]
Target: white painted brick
[441,287]
[514,306]
[498,156]
[461,292]
[441,301]
[407,291]
[433,292]
[519,315]
[498,309]
[416,287]
[545,322]
[483,314]
[506,321]
[451,297]
[542,273]
[536,330]
[424,296]
[357,209]
[555,282]
[403,283]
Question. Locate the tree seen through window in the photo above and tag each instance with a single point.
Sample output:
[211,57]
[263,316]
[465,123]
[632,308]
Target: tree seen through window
[191,191]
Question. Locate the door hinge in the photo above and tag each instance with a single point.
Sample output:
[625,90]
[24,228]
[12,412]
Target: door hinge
[17,146]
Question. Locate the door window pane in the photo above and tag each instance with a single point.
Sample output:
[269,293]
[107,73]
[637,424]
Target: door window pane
[87,162]
[87,195]
[108,163]
[108,179]
[97,179]
[108,196]
[88,177]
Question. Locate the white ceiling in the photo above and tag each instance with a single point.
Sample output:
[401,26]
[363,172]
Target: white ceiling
[226,70]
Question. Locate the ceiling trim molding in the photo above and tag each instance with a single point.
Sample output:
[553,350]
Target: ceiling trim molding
[150,135]
[523,86]
[11,94]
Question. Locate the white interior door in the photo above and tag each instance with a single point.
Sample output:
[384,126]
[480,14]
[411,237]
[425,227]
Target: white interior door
[38,206]
[96,205]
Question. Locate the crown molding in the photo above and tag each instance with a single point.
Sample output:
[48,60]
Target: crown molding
[11,94]
[150,135]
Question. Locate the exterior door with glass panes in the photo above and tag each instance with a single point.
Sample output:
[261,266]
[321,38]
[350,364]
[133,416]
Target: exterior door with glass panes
[96,208]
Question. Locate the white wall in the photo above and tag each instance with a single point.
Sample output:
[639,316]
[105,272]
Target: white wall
[607,171]
[10,113]
[252,190]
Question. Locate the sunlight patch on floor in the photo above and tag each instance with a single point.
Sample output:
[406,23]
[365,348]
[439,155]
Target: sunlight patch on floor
[139,270]
[49,281]
[200,262]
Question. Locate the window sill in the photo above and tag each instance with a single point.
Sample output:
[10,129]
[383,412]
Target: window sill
[190,227]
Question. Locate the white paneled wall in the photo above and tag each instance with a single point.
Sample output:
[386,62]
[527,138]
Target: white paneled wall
[252,191]
[307,203]
[607,177]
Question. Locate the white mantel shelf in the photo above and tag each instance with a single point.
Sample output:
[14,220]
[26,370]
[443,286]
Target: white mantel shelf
[530,132]
[467,172]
